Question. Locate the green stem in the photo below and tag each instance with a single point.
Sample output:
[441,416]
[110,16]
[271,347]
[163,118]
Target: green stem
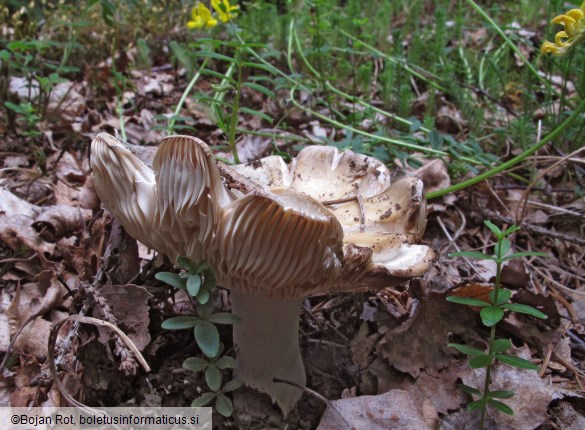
[235,109]
[488,376]
[512,45]
[317,73]
[120,110]
[289,47]
[488,371]
[293,35]
[519,158]
[292,137]
[219,96]
[173,119]
[276,70]
[367,105]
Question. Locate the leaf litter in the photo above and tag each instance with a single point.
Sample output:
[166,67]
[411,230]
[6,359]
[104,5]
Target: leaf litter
[61,256]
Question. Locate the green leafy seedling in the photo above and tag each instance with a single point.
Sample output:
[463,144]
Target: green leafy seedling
[212,367]
[223,404]
[491,314]
[198,280]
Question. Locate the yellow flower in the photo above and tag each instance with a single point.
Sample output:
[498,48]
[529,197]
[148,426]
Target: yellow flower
[225,11]
[574,23]
[201,17]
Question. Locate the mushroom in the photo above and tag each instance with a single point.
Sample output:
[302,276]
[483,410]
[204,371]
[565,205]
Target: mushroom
[274,234]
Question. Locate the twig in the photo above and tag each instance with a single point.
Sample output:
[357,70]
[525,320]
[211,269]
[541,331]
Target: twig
[18,260]
[532,228]
[578,373]
[523,187]
[51,356]
[497,198]
[320,324]
[338,201]
[522,209]
[557,284]
[552,208]
[547,354]
[483,93]
[316,395]
[96,299]
[568,306]
[233,180]
[15,337]
[577,339]
[326,342]
[453,243]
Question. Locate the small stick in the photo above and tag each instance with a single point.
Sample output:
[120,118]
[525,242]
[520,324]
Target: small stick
[316,395]
[533,228]
[578,373]
[524,200]
[360,202]
[546,361]
[234,180]
[337,201]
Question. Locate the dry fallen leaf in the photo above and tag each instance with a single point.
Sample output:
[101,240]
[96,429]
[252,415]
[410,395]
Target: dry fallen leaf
[130,306]
[37,227]
[396,409]
[439,388]
[362,345]
[16,217]
[566,417]
[434,174]
[421,341]
[473,291]
[38,298]
[532,394]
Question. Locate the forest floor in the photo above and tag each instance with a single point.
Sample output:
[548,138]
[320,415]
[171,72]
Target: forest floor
[379,358]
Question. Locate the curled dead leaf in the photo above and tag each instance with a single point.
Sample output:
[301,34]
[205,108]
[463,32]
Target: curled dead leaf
[30,302]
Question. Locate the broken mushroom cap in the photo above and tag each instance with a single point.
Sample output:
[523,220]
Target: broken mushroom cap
[380,221]
[273,233]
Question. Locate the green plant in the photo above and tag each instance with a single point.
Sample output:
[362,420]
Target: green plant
[198,280]
[232,82]
[28,113]
[236,55]
[25,58]
[491,314]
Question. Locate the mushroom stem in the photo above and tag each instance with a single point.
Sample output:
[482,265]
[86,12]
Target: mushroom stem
[267,340]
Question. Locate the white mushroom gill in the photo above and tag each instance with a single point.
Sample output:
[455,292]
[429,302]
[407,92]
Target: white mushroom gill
[274,245]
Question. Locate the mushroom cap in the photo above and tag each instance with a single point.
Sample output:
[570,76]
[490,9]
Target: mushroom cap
[279,243]
[380,227]
[322,172]
[279,239]
[126,186]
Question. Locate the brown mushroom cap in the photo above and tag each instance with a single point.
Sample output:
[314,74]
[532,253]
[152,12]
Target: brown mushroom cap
[279,243]
[280,238]
[190,195]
